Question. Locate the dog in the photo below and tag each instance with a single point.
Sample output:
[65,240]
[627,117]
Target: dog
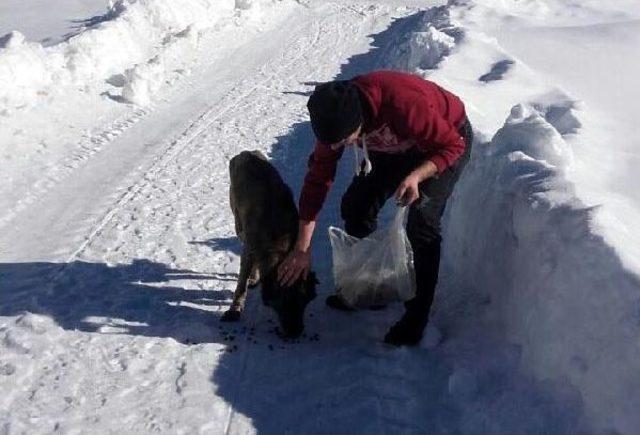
[266,222]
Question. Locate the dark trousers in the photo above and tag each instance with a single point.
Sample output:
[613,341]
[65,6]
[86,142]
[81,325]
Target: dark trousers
[367,194]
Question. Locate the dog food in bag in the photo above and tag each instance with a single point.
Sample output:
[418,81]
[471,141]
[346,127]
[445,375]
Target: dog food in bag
[377,269]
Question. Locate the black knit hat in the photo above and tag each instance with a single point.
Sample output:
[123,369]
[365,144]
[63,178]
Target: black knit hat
[335,111]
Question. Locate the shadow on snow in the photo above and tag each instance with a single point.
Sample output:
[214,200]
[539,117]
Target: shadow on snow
[134,297]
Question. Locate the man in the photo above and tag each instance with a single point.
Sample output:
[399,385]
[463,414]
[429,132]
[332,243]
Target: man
[416,140]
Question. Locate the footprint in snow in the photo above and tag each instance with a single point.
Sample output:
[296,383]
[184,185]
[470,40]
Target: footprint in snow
[498,70]
[7,369]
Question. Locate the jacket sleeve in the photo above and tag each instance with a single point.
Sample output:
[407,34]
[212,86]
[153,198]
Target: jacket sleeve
[435,135]
[321,172]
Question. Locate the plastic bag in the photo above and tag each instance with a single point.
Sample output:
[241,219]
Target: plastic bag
[377,269]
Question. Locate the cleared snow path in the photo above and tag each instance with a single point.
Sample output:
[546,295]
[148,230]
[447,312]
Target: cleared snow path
[103,348]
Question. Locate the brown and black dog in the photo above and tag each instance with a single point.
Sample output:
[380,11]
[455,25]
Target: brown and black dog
[266,221]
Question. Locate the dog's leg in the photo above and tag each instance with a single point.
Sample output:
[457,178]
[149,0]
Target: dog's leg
[236,215]
[254,278]
[240,295]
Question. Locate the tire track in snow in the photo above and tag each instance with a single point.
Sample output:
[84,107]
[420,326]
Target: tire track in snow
[95,141]
[64,180]
[87,148]
[178,146]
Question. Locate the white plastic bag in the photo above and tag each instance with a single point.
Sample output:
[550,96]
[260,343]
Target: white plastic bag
[377,269]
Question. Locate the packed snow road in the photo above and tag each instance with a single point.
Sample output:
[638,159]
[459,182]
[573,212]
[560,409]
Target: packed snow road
[125,263]
[118,253]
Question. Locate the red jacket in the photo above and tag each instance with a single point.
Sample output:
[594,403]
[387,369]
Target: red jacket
[405,111]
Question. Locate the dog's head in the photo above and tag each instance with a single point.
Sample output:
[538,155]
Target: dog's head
[290,302]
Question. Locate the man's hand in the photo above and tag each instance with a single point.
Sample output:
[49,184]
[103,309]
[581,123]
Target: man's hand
[294,266]
[408,192]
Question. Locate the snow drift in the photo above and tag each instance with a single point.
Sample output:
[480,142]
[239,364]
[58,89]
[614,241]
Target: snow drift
[520,245]
[522,240]
[134,38]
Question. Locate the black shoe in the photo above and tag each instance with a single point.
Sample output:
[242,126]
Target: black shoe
[336,302]
[404,333]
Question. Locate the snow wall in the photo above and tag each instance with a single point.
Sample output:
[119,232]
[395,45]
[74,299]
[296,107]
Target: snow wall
[522,249]
[134,42]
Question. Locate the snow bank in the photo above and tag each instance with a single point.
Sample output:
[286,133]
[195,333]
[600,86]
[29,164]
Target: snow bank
[521,248]
[423,49]
[143,80]
[552,12]
[524,241]
[134,37]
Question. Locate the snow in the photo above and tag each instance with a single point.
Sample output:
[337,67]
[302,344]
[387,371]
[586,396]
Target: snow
[41,22]
[129,33]
[117,246]
[609,94]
